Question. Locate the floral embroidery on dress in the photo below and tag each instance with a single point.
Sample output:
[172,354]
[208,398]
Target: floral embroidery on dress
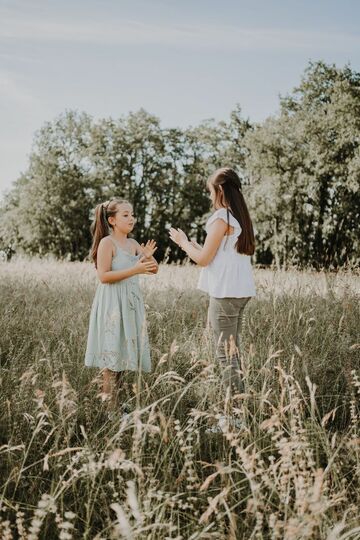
[112,321]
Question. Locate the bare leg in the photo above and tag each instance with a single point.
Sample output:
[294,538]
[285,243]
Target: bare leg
[119,385]
[109,387]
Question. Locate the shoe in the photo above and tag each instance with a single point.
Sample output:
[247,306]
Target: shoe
[237,423]
[219,427]
[224,422]
[126,408]
[116,415]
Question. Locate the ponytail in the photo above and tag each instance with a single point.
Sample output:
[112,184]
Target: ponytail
[246,240]
[232,197]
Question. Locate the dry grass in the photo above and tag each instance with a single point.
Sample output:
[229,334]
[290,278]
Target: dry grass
[69,472]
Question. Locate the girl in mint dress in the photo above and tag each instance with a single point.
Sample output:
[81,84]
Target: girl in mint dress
[117,338]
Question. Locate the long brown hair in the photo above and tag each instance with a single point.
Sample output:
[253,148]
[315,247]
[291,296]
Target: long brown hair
[101,227]
[232,198]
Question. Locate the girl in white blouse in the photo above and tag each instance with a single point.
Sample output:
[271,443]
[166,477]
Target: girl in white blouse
[226,273]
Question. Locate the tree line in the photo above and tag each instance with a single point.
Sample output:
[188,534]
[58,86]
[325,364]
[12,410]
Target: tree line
[300,172]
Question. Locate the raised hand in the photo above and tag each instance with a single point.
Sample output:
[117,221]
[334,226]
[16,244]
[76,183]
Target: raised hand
[149,249]
[177,235]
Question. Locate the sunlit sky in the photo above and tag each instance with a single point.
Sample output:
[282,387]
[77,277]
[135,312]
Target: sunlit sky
[184,61]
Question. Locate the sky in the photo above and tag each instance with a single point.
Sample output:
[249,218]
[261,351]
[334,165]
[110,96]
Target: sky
[184,61]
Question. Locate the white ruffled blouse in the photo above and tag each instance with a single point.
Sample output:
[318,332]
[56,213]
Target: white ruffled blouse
[230,273]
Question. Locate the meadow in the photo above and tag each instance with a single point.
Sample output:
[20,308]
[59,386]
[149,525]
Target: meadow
[69,472]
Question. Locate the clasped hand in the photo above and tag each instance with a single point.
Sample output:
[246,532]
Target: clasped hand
[145,266]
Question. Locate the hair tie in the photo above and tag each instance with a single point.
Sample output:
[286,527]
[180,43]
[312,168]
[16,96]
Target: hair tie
[103,212]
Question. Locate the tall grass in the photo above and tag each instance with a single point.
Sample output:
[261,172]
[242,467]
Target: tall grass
[69,472]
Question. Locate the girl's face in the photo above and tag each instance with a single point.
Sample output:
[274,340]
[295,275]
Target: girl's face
[213,197]
[124,220]
[212,194]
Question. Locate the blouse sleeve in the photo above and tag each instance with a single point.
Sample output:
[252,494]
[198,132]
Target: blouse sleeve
[221,213]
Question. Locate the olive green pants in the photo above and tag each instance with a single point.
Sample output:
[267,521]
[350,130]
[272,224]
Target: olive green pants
[225,317]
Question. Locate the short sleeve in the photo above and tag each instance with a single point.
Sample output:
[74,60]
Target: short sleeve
[221,213]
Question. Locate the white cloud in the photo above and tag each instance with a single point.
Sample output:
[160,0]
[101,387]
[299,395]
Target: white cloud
[13,90]
[14,155]
[199,36]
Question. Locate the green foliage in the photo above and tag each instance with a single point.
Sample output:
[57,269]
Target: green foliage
[49,206]
[304,167]
[300,172]
[76,163]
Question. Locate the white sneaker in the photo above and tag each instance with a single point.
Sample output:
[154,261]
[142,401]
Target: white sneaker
[224,422]
[125,408]
[220,427]
[117,415]
[237,423]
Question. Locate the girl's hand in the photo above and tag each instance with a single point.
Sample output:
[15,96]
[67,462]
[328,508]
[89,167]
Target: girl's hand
[145,267]
[178,236]
[149,249]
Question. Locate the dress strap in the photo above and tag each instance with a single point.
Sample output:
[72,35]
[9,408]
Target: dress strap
[113,241]
[121,248]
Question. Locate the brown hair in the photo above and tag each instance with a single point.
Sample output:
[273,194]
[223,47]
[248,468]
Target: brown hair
[231,197]
[101,226]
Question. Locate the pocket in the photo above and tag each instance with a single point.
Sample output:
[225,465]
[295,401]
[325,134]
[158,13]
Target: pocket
[242,302]
[219,307]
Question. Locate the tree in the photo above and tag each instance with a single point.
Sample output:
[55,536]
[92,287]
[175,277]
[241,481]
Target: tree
[300,172]
[50,204]
[304,170]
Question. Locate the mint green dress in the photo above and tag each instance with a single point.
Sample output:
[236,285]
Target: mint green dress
[117,337]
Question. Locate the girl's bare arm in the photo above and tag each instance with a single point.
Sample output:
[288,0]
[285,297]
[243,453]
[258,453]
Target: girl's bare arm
[204,255]
[104,257]
[139,249]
